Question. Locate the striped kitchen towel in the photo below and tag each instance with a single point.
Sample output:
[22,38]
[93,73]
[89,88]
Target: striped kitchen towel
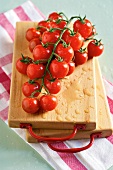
[100,155]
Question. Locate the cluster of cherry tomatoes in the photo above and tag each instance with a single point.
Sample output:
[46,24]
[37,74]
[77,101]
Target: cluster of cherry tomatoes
[56,50]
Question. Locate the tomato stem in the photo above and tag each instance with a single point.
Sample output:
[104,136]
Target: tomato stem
[38,28]
[59,57]
[40,61]
[61,13]
[54,29]
[91,37]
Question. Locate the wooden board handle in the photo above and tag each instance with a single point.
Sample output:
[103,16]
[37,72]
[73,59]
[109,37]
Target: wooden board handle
[48,139]
[75,150]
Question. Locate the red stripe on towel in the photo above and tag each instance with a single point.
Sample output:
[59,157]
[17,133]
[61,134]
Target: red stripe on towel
[21,14]
[70,159]
[7,26]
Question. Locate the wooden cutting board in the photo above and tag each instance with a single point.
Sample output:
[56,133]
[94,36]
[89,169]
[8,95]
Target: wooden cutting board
[104,122]
[76,100]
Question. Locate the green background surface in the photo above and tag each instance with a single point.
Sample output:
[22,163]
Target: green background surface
[15,154]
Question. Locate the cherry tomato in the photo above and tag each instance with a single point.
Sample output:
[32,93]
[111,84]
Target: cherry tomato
[30,105]
[83,26]
[95,48]
[59,69]
[54,16]
[32,33]
[53,86]
[45,25]
[75,40]
[29,88]
[71,68]
[50,37]
[48,102]
[80,57]
[41,53]
[61,24]
[22,64]
[33,43]
[35,70]
[66,53]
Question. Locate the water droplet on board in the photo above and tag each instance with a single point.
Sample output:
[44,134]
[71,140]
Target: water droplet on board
[58,111]
[86,110]
[90,69]
[98,87]
[68,118]
[87,92]
[92,107]
[59,118]
[44,115]
[89,78]
[101,96]
[84,69]
[77,111]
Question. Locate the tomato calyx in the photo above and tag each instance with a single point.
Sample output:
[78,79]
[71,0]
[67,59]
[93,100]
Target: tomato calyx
[32,81]
[25,60]
[97,42]
[82,50]
[82,20]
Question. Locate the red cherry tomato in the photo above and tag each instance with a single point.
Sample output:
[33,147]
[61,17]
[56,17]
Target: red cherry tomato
[45,25]
[41,53]
[32,33]
[48,102]
[35,71]
[30,105]
[80,57]
[59,69]
[71,68]
[75,40]
[61,24]
[22,64]
[33,43]
[53,86]
[54,16]
[66,53]
[50,37]
[83,26]
[95,48]
[29,88]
